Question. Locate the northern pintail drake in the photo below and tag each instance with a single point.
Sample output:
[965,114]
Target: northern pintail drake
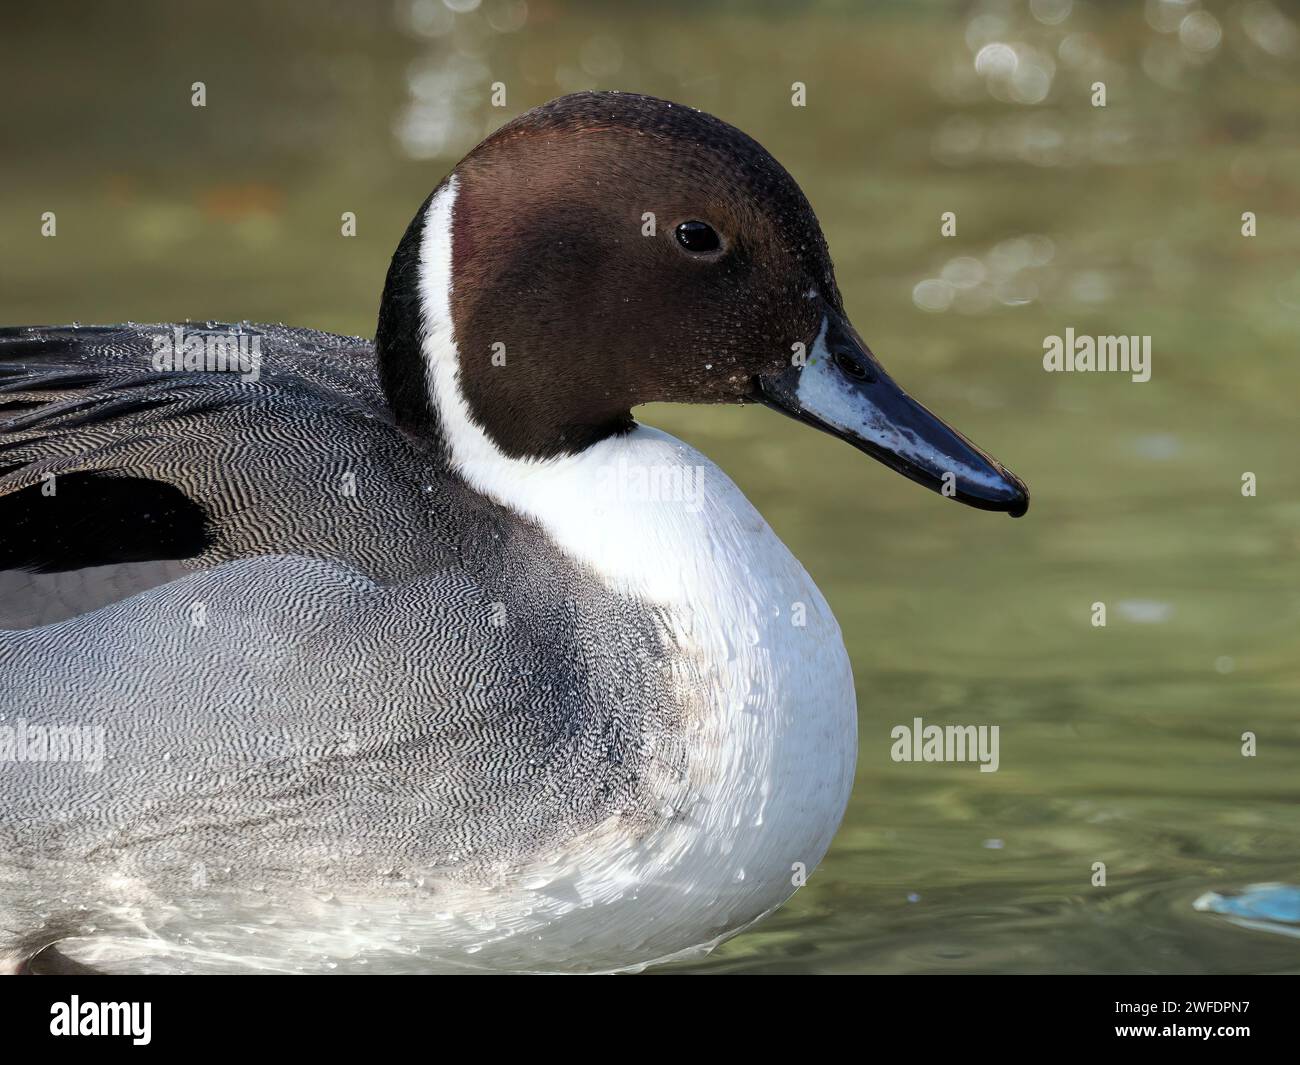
[330,656]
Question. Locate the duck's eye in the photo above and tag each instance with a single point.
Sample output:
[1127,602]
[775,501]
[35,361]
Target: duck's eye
[850,367]
[698,237]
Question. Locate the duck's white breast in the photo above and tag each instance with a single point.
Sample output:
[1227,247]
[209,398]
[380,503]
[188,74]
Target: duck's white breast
[770,740]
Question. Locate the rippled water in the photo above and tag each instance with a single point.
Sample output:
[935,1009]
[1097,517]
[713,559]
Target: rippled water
[1120,745]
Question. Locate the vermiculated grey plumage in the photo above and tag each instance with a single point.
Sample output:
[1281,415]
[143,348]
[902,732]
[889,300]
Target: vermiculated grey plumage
[269,717]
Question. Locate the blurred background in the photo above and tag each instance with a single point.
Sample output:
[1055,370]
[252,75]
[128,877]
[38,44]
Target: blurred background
[1120,744]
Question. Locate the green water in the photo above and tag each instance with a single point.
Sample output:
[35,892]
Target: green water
[1120,744]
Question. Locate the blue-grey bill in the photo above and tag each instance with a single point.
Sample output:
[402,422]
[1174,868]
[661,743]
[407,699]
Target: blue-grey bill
[844,391]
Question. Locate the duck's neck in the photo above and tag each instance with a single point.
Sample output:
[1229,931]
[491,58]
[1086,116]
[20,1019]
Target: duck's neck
[442,351]
[638,507]
[398,348]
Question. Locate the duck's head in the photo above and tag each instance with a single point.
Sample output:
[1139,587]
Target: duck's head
[607,250]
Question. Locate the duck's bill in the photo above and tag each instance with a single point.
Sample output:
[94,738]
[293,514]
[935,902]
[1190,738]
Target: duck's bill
[843,390]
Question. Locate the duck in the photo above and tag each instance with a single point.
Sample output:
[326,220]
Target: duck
[422,654]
